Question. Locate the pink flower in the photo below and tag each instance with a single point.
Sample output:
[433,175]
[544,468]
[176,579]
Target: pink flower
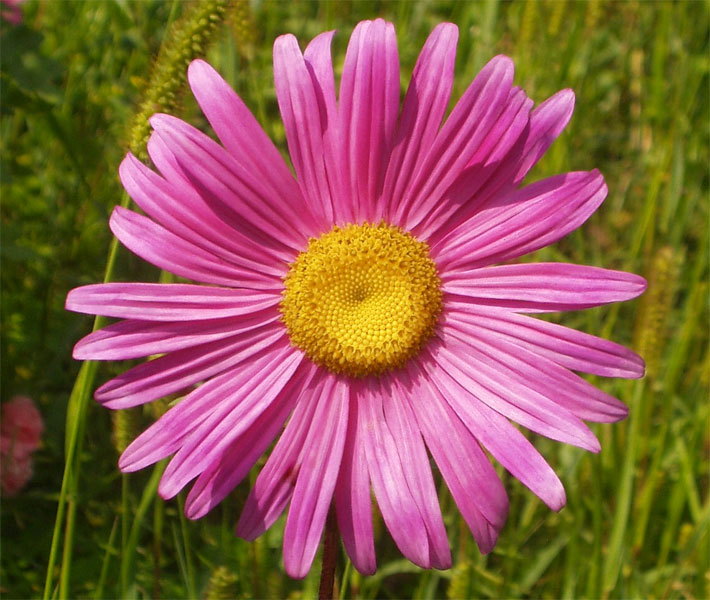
[11,11]
[367,304]
[20,433]
[22,423]
[15,467]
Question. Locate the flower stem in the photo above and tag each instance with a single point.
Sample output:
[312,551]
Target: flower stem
[326,589]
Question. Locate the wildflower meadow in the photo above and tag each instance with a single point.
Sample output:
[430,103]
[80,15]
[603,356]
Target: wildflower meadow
[355,299]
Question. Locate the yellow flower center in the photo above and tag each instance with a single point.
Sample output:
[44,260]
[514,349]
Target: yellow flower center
[362,299]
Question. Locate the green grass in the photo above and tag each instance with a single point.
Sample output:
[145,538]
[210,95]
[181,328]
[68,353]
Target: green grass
[636,523]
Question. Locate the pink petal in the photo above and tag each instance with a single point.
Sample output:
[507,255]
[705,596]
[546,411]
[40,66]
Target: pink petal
[422,112]
[320,66]
[236,195]
[167,302]
[571,393]
[507,445]
[317,476]
[529,219]
[389,475]
[224,474]
[164,249]
[246,141]
[469,475]
[274,485]
[352,499]
[133,338]
[255,387]
[458,141]
[509,387]
[179,370]
[415,463]
[464,196]
[168,433]
[567,347]
[231,204]
[182,211]
[547,121]
[303,115]
[369,105]
[542,287]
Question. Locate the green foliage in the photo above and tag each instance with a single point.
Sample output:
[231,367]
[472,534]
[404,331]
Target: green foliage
[77,82]
[185,41]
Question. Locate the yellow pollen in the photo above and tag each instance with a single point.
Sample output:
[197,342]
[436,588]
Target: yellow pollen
[362,299]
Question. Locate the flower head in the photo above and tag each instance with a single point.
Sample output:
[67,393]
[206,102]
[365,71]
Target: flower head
[364,312]
[11,11]
[20,433]
[22,423]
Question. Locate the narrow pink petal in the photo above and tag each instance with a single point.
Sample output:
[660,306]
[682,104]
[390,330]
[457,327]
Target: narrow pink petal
[388,473]
[567,347]
[469,475]
[415,464]
[535,287]
[168,433]
[167,301]
[164,249]
[569,391]
[134,339]
[369,106]
[258,383]
[547,121]
[303,116]
[507,445]
[218,480]
[246,141]
[182,211]
[461,137]
[464,196]
[529,219]
[234,216]
[274,485]
[317,476]
[232,204]
[352,499]
[225,473]
[320,66]
[509,387]
[422,112]
[179,370]
[238,196]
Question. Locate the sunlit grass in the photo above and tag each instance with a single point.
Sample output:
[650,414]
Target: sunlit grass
[636,524]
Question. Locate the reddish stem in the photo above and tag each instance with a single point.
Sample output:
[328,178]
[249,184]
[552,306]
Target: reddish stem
[326,589]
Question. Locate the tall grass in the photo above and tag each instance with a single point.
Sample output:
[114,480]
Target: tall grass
[74,77]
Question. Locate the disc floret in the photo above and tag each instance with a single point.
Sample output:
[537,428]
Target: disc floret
[362,299]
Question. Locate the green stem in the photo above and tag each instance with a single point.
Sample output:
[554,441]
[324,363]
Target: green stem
[68,546]
[158,520]
[612,563]
[186,544]
[76,417]
[125,556]
[99,593]
[148,496]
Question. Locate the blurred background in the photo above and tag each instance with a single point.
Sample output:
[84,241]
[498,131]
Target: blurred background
[78,81]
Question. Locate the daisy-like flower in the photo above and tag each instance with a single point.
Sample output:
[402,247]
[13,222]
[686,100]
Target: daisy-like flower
[364,312]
